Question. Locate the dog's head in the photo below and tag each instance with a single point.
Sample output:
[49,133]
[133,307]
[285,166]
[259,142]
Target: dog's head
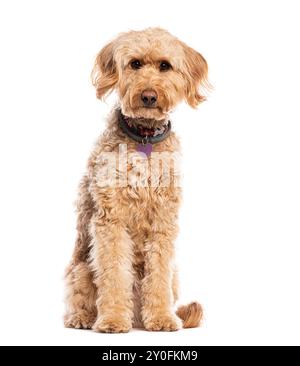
[152,72]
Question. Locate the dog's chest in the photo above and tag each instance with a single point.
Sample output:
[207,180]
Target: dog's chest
[143,192]
[148,209]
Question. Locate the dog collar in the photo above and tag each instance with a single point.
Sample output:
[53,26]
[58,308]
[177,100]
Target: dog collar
[142,134]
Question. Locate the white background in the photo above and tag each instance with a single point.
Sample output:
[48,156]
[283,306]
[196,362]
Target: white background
[238,247]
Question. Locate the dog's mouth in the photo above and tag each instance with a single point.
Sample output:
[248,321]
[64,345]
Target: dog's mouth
[149,109]
[144,127]
[147,113]
[133,107]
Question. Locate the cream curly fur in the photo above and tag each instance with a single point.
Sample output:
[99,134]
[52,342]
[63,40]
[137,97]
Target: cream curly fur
[122,273]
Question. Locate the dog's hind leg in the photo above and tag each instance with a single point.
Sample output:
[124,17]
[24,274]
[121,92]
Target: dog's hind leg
[81,291]
[81,297]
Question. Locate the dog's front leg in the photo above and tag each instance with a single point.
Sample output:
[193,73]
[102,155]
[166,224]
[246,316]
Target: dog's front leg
[112,262]
[157,312]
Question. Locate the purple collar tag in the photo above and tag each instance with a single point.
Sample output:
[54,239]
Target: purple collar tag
[145,149]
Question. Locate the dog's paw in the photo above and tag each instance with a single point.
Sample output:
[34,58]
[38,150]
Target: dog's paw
[109,325]
[167,323]
[80,320]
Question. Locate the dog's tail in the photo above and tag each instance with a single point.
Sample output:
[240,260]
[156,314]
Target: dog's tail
[191,315]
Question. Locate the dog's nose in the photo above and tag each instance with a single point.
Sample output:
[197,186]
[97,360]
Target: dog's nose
[149,98]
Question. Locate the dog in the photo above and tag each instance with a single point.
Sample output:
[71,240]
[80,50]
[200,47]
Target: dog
[122,273]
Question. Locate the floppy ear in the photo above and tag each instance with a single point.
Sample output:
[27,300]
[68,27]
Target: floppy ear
[104,73]
[196,70]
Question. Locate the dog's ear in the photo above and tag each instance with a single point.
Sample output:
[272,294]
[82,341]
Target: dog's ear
[104,74]
[196,70]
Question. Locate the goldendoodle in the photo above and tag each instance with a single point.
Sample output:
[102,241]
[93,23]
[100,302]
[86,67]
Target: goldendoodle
[122,273]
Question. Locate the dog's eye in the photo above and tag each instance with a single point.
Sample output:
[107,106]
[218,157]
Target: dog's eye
[136,64]
[165,66]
